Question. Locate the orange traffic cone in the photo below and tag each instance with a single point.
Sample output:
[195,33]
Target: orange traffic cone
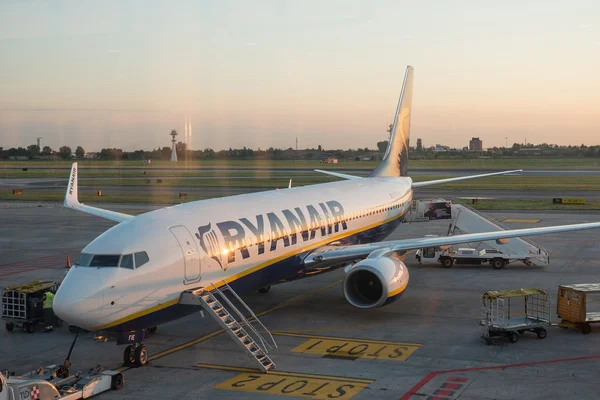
[68,262]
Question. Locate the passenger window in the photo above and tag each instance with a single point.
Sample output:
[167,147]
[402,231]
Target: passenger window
[105,261]
[141,258]
[127,261]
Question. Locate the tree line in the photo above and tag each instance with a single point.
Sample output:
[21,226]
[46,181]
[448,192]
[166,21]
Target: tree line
[183,153]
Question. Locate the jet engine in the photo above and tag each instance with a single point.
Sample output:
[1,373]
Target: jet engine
[374,282]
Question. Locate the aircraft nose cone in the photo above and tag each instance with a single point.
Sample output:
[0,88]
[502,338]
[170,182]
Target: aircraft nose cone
[79,299]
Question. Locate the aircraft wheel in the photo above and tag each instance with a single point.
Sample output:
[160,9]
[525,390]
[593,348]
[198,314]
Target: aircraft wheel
[30,327]
[264,289]
[152,329]
[72,328]
[497,263]
[141,355]
[117,381]
[513,337]
[10,326]
[129,355]
[446,262]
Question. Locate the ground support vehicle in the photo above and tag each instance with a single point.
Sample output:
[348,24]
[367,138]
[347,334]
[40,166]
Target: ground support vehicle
[574,306]
[509,313]
[468,256]
[22,305]
[55,383]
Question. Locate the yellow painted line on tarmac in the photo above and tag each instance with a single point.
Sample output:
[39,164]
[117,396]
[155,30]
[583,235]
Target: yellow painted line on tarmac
[353,348]
[353,328]
[530,221]
[215,333]
[285,303]
[294,384]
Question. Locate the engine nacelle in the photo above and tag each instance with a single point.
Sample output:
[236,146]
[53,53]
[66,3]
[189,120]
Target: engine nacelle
[375,282]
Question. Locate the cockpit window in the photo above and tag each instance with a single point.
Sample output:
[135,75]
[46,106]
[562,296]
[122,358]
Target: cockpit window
[105,261]
[127,261]
[141,258]
[84,259]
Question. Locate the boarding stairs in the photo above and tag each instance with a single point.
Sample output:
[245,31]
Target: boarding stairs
[246,332]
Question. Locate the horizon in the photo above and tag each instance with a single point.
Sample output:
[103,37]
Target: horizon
[123,74]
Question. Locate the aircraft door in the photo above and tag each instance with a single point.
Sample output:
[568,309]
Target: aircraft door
[189,250]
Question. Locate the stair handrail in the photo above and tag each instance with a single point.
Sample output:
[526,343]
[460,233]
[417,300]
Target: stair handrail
[264,342]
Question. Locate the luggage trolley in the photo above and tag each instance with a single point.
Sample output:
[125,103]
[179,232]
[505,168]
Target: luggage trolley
[22,305]
[513,312]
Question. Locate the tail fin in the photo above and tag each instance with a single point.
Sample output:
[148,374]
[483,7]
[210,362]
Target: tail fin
[71,197]
[395,159]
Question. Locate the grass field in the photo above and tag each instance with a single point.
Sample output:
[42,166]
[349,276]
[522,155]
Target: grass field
[491,205]
[276,174]
[436,164]
[169,199]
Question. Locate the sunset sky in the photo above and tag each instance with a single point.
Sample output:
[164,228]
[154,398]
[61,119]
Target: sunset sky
[261,73]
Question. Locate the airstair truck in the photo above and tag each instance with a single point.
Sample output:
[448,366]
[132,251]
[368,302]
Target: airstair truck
[498,253]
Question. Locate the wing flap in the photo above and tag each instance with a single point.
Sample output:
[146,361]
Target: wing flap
[72,201]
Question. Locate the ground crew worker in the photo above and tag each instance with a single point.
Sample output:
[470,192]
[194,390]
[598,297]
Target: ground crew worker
[48,299]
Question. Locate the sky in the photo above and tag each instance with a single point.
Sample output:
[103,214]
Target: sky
[262,73]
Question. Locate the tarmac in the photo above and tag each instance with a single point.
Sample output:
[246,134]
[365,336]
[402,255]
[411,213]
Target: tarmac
[426,345]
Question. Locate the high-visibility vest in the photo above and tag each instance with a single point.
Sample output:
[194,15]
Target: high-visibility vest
[49,300]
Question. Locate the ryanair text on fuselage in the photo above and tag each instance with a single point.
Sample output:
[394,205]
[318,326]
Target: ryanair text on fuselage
[301,223]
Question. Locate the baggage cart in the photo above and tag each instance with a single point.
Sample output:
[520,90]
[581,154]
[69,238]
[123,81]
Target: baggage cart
[509,313]
[574,306]
[22,305]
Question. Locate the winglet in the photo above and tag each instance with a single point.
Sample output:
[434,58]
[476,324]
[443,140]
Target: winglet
[72,201]
[71,197]
[290,184]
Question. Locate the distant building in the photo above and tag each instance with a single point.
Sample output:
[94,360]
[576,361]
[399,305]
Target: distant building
[90,156]
[476,144]
[439,148]
[419,145]
[39,143]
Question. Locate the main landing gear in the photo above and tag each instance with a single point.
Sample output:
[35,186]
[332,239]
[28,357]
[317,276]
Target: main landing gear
[136,354]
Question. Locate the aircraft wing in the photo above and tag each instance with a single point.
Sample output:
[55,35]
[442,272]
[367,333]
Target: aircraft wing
[72,201]
[338,174]
[340,254]
[460,178]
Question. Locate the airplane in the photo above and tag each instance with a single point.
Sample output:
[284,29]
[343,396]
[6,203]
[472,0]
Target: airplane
[133,275]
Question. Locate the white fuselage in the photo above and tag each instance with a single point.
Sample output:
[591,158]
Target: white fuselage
[251,241]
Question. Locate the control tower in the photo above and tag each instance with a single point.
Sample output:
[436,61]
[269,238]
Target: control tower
[173,141]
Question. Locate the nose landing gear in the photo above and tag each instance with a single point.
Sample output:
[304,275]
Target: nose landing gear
[136,354]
